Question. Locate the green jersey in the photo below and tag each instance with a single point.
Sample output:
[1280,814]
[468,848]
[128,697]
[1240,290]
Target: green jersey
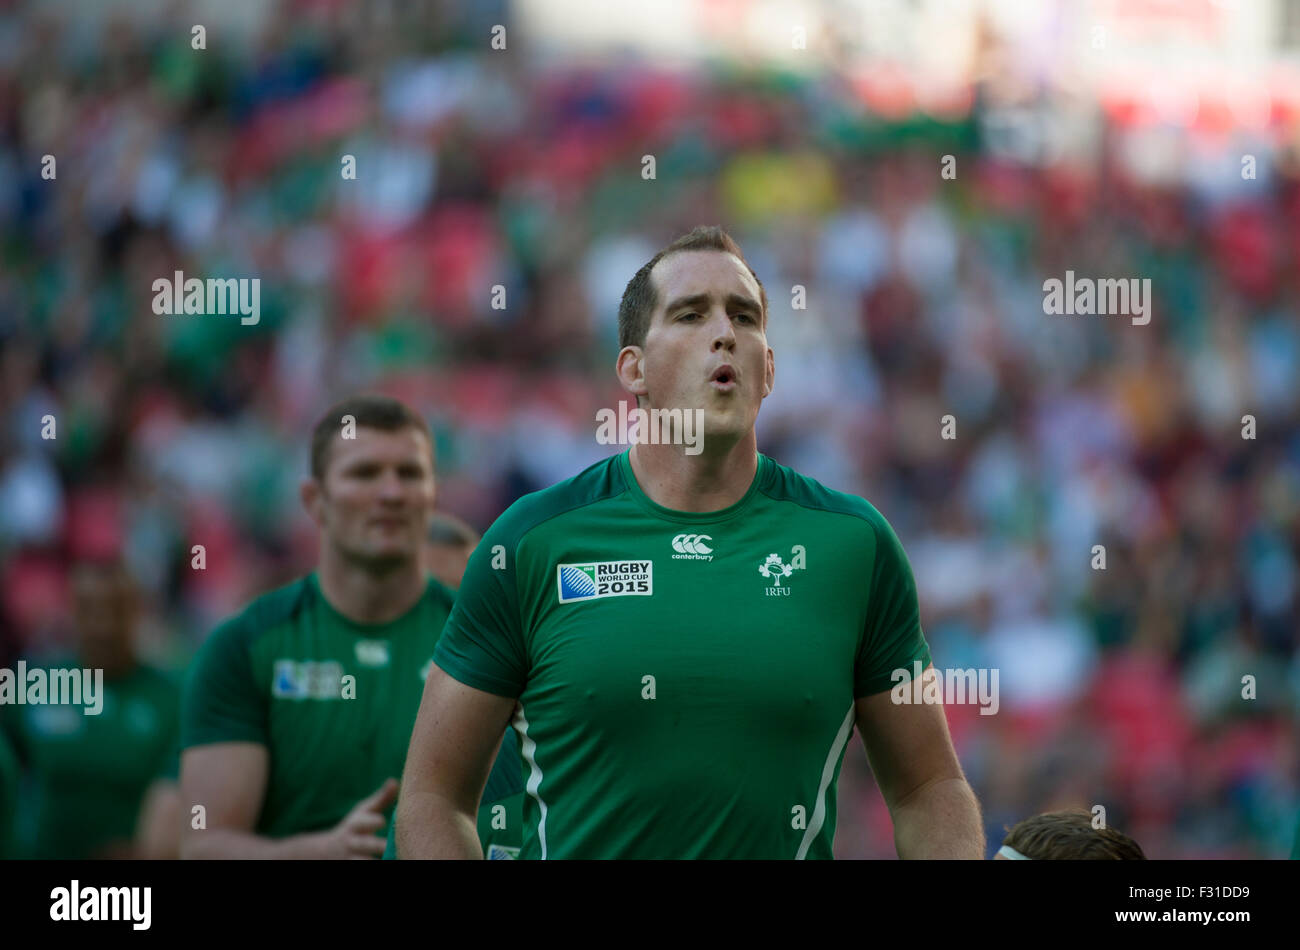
[332,699]
[88,773]
[8,795]
[685,682]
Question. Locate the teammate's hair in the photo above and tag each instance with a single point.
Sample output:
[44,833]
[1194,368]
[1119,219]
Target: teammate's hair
[1070,836]
[640,299]
[371,412]
[450,531]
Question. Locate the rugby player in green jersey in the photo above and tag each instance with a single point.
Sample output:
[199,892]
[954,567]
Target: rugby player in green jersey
[684,642]
[88,775]
[297,712]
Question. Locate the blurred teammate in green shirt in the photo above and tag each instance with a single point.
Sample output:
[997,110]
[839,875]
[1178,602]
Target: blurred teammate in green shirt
[297,712]
[88,775]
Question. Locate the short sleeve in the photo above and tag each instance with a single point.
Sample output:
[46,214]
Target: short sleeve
[892,638]
[482,644]
[221,701]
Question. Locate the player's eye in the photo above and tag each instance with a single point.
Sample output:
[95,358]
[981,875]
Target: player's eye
[746,316]
[688,316]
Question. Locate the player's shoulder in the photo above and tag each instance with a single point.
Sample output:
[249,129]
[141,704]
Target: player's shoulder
[264,613]
[782,483]
[598,482]
[157,680]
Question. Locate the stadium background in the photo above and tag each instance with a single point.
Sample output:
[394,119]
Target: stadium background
[1104,138]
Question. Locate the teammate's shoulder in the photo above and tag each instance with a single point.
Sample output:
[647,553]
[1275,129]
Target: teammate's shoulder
[439,593]
[782,483]
[157,678]
[267,611]
[596,483]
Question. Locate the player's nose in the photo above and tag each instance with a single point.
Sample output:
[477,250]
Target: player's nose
[724,334]
[391,487]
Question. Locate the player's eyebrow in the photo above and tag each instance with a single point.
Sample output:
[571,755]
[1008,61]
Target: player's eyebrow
[701,301]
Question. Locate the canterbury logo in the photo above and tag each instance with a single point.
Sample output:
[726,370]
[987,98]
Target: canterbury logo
[693,546]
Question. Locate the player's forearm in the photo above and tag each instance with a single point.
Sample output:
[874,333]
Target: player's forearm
[225,844]
[940,820]
[158,829]
[431,826]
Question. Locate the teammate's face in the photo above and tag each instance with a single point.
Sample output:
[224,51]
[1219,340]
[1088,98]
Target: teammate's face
[706,347]
[376,498]
[103,605]
[447,562]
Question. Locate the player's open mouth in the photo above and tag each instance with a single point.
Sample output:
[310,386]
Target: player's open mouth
[724,377]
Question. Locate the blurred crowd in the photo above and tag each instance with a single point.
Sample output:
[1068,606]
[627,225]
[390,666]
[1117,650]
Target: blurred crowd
[1121,687]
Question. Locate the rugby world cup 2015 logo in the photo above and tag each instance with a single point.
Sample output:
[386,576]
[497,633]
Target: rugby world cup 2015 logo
[604,579]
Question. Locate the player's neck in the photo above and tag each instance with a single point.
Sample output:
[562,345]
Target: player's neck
[369,596]
[709,481]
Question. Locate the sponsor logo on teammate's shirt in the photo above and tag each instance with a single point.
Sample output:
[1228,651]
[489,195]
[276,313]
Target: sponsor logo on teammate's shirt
[372,652]
[499,852]
[599,579]
[692,547]
[307,679]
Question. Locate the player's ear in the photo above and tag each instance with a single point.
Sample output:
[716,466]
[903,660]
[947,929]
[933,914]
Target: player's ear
[309,491]
[630,370]
[769,381]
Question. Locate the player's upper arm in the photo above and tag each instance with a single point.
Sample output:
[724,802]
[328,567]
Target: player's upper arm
[227,780]
[480,666]
[483,642]
[455,740]
[224,737]
[908,744]
[222,700]
[892,638]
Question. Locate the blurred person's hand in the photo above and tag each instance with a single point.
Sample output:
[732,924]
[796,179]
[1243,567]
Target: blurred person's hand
[360,834]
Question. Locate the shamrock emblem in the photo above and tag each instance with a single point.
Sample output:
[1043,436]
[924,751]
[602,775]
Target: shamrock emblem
[774,568]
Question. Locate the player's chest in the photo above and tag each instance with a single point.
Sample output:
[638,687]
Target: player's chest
[748,605]
[124,737]
[320,676]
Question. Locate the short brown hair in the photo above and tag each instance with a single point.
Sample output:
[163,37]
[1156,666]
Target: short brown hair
[452,532]
[640,298]
[369,411]
[1070,836]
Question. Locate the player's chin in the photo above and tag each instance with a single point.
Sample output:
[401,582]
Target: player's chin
[386,556]
[727,421]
